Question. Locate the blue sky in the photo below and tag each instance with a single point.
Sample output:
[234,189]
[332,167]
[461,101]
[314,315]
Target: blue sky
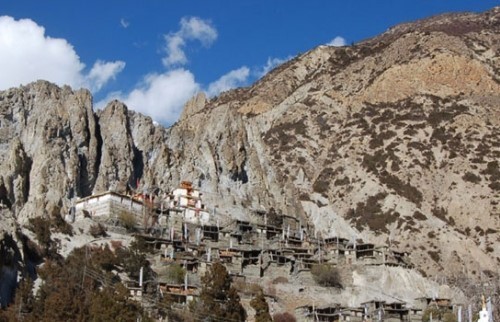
[155,54]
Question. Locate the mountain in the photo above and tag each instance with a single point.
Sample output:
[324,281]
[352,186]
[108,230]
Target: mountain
[394,140]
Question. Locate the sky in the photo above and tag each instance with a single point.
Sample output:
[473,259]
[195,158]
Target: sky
[154,55]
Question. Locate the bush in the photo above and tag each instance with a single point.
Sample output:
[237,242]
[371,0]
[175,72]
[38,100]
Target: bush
[175,274]
[61,226]
[419,216]
[326,275]
[127,220]
[259,304]
[471,177]
[280,280]
[41,228]
[98,230]
[438,314]
[284,317]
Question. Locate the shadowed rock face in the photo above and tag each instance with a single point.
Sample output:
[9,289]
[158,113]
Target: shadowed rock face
[392,140]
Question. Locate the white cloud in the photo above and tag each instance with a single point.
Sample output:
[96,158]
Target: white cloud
[161,96]
[192,28]
[234,78]
[124,23]
[27,54]
[337,42]
[271,64]
[175,52]
[102,72]
[196,28]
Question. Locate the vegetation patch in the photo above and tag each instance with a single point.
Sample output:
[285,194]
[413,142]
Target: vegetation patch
[419,216]
[284,317]
[67,295]
[434,255]
[471,177]
[442,213]
[98,230]
[128,220]
[322,182]
[403,189]
[326,275]
[370,214]
[342,182]
[492,170]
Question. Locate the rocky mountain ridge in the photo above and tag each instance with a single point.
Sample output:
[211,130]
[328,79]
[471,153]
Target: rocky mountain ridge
[392,140]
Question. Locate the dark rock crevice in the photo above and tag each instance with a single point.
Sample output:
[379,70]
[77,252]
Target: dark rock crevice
[99,147]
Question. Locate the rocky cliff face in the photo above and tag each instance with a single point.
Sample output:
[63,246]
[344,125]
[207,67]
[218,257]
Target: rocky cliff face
[392,140]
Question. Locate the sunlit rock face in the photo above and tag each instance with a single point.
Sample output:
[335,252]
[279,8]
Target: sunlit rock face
[393,140]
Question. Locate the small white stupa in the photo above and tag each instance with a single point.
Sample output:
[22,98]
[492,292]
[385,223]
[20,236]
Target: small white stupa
[484,314]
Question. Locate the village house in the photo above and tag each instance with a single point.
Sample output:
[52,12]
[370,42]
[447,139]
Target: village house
[189,200]
[178,293]
[108,205]
[179,230]
[330,313]
[423,303]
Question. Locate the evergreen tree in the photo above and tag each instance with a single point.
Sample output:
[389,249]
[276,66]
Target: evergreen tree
[113,304]
[218,300]
[81,287]
[261,308]
[24,301]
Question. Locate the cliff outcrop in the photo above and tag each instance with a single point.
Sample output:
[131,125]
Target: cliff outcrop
[392,140]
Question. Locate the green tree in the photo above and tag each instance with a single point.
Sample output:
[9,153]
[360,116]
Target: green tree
[113,304]
[261,308]
[24,301]
[82,287]
[175,273]
[218,300]
[132,261]
[41,228]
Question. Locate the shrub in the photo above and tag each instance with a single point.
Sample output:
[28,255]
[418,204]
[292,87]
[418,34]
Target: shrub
[41,227]
[370,214]
[61,226]
[127,220]
[284,317]
[404,189]
[280,280]
[492,169]
[434,255]
[98,230]
[342,182]
[419,216]
[471,177]
[326,275]
[175,274]
[116,244]
[322,183]
[438,314]
[494,186]
[259,304]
